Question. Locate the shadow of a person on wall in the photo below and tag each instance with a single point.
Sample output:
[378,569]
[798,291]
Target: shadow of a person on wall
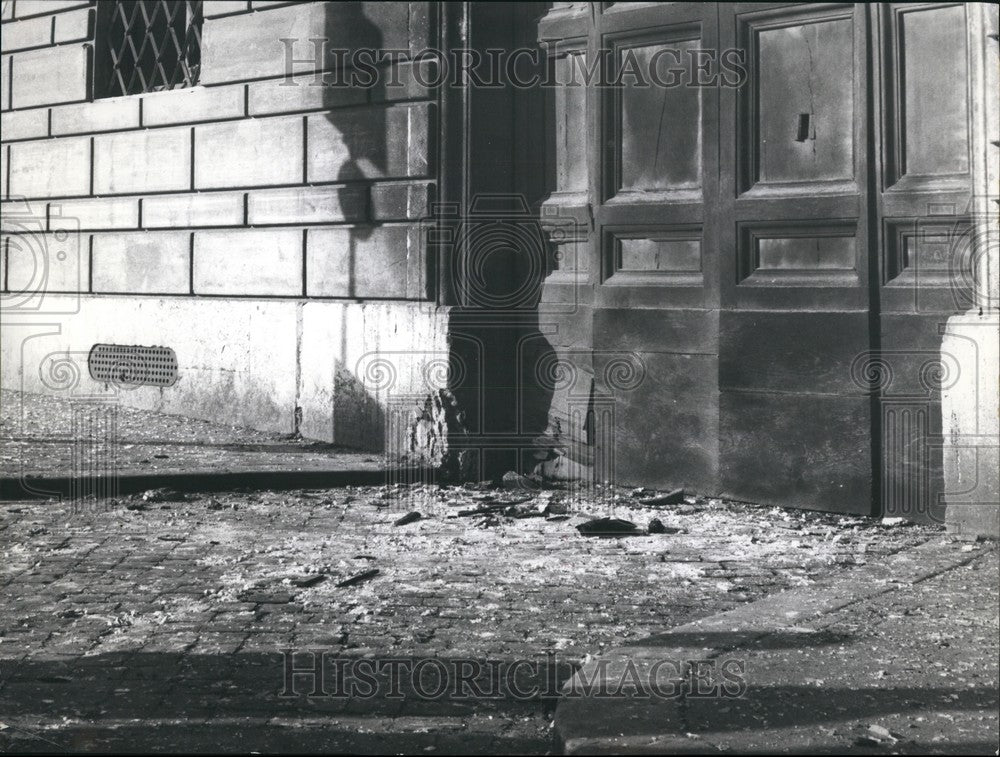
[353,105]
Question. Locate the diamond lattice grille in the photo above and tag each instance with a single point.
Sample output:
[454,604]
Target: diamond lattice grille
[147,46]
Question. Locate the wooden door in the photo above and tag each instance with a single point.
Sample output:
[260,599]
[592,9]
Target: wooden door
[926,233]
[795,422]
[655,241]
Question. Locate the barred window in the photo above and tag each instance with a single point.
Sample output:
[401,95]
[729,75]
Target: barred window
[146,46]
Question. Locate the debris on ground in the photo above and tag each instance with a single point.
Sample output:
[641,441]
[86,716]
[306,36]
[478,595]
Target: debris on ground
[894,521]
[608,527]
[657,526]
[510,508]
[881,733]
[514,480]
[674,497]
[304,582]
[163,494]
[561,468]
[556,508]
[265,550]
[358,578]
[410,517]
[260,596]
[482,509]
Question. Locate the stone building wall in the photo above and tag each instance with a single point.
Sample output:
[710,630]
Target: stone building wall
[264,228]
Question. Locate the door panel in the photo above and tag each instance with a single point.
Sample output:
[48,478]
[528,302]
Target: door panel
[924,227]
[805,102]
[795,426]
[656,184]
[657,130]
[800,238]
[926,76]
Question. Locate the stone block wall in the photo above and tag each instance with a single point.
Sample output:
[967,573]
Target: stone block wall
[235,221]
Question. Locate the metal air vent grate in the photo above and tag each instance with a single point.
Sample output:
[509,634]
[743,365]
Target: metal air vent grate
[132,364]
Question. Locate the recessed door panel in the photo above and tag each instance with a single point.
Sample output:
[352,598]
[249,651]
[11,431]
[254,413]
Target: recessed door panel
[805,114]
[659,126]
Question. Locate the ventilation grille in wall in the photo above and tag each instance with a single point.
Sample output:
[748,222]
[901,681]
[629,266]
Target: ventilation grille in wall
[132,364]
[146,46]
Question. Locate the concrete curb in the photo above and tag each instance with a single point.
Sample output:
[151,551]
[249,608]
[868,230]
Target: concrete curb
[590,719]
[45,487]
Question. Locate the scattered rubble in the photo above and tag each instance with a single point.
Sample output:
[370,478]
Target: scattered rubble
[889,522]
[260,596]
[608,527]
[657,526]
[674,497]
[304,582]
[514,480]
[358,578]
[561,468]
[230,559]
[163,494]
[410,517]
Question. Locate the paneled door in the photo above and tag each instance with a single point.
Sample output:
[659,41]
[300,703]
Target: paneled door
[779,229]
[655,237]
[927,241]
[796,415]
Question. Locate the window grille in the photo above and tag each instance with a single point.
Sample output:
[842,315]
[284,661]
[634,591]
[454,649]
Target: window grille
[146,46]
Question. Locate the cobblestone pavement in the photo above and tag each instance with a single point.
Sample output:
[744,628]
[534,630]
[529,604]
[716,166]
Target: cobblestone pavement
[901,656]
[159,623]
[41,436]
